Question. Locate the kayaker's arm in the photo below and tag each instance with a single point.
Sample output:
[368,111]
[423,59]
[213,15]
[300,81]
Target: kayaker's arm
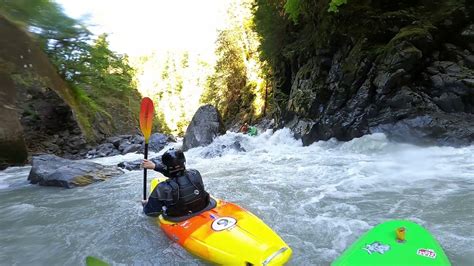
[148,164]
[153,206]
[161,169]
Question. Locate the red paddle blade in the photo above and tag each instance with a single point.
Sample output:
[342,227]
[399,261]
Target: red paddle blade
[146,117]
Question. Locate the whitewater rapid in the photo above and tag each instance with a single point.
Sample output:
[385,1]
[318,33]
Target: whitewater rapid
[319,199]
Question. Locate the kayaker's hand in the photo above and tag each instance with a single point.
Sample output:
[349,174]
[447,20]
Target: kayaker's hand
[148,164]
[144,202]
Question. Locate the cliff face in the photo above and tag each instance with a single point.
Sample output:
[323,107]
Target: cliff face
[36,97]
[405,68]
[38,108]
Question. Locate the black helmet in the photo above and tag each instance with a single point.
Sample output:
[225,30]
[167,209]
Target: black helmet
[174,160]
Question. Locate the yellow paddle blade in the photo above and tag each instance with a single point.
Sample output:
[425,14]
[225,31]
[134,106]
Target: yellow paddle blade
[146,117]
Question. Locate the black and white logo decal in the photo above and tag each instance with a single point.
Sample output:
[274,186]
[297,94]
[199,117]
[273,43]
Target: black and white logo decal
[223,223]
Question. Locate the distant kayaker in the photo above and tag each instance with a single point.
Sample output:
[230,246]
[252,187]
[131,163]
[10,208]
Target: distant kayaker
[252,131]
[244,128]
[182,194]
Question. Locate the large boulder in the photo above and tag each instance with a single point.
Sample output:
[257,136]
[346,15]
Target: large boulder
[51,170]
[205,126]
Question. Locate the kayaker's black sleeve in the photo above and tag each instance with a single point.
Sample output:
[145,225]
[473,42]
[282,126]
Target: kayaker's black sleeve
[154,206]
[161,194]
[161,169]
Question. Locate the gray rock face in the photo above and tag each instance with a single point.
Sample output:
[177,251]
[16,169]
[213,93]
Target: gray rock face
[418,89]
[205,126]
[42,102]
[51,170]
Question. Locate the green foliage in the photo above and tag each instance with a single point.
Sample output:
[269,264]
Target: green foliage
[68,44]
[293,9]
[235,86]
[335,4]
[225,86]
[44,17]
[160,122]
[185,60]
[107,70]
[101,80]
[271,25]
[174,79]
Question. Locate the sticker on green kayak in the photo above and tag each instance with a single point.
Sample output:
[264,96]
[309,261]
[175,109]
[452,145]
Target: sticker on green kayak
[377,247]
[429,253]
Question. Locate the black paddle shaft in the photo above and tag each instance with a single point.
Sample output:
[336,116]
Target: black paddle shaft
[144,172]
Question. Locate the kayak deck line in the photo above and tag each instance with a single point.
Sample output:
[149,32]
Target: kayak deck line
[281,250]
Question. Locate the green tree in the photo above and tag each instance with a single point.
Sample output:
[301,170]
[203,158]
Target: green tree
[100,79]
[271,24]
[237,87]
[108,70]
[225,87]
[293,9]
[335,4]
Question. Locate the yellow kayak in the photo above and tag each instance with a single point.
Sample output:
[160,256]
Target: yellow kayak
[224,233]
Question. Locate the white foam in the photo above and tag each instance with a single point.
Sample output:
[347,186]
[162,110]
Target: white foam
[319,198]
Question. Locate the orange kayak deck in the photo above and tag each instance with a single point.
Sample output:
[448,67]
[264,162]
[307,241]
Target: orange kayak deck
[230,235]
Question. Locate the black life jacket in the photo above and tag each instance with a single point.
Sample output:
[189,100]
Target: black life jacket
[188,194]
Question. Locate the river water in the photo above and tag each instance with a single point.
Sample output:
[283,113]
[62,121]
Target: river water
[319,199]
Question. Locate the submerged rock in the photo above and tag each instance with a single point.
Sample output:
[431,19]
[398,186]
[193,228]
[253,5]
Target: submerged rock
[219,150]
[51,170]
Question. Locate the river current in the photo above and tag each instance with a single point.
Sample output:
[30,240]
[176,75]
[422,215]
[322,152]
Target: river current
[318,198]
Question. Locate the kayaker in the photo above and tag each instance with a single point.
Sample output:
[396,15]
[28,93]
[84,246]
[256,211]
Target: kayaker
[244,128]
[252,131]
[182,194]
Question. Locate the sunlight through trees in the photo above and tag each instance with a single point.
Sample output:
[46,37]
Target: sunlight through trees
[237,87]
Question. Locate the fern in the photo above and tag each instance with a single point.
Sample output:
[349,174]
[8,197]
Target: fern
[293,9]
[335,4]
